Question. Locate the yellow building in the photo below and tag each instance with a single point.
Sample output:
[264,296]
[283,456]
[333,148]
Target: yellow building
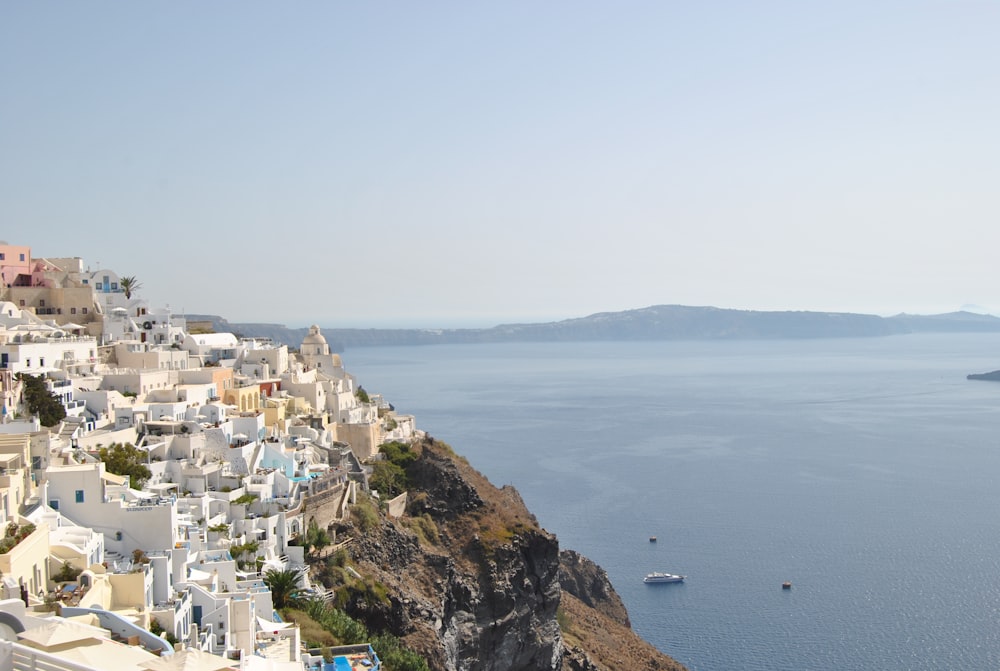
[274,413]
[27,561]
[245,399]
[63,304]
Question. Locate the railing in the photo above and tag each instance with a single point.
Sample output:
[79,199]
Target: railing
[24,339]
[124,628]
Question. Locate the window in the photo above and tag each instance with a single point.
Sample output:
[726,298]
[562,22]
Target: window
[72,311]
[36,463]
[54,504]
[84,310]
[79,496]
[22,257]
[98,286]
[2,256]
[41,361]
[114,286]
[22,302]
[41,303]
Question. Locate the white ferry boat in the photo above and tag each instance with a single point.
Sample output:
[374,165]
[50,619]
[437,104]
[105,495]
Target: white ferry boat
[663,577]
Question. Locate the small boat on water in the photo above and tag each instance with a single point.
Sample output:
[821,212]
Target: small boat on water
[657,577]
[786,585]
[652,539]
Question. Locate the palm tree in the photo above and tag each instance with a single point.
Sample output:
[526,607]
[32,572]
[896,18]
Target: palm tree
[283,585]
[129,284]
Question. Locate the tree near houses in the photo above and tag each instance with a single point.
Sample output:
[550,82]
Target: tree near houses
[389,474]
[315,537]
[126,459]
[283,585]
[40,401]
[129,283]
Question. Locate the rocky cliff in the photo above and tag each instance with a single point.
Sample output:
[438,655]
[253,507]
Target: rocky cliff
[469,579]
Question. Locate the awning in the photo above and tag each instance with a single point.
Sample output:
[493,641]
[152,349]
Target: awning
[114,479]
[266,625]
[196,575]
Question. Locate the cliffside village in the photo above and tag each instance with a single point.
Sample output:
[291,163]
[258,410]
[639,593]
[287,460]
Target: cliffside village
[241,436]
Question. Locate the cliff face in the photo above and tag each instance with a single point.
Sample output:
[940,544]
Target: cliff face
[470,580]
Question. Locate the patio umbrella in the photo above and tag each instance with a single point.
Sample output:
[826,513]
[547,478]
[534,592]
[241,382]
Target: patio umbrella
[57,631]
[108,655]
[190,659]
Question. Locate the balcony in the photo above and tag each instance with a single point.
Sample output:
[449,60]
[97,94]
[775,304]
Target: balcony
[9,477]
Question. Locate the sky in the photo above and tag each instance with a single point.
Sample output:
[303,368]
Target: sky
[466,164]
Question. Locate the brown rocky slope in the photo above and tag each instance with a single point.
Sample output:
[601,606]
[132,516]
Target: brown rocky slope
[468,579]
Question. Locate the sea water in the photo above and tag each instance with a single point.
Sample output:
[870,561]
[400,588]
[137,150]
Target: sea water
[864,471]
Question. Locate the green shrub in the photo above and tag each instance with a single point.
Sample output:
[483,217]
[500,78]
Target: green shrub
[40,401]
[397,657]
[340,557]
[345,629]
[67,573]
[364,515]
[424,527]
[322,625]
[126,459]
[14,535]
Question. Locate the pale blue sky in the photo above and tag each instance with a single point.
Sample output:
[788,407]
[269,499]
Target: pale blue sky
[466,164]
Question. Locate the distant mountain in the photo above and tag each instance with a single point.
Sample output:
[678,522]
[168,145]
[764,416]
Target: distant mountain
[952,321]
[659,322]
[992,376]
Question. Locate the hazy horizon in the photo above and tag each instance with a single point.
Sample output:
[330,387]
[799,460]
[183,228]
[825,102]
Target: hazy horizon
[486,323]
[444,164]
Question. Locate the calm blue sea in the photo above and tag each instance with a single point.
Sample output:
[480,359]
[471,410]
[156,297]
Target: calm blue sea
[865,471]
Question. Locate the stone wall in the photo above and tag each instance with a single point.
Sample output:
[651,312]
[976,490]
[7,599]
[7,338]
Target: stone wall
[330,505]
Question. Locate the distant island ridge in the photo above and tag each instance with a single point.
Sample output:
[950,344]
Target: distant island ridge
[658,322]
[992,376]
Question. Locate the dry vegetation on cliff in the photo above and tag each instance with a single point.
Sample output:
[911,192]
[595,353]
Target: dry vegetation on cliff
[595,641]
[468,578]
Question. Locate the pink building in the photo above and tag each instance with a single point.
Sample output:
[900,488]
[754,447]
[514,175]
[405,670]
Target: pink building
[15,260]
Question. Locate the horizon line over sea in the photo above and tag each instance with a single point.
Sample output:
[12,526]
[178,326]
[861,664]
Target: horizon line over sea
[861,470]
[488,321]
